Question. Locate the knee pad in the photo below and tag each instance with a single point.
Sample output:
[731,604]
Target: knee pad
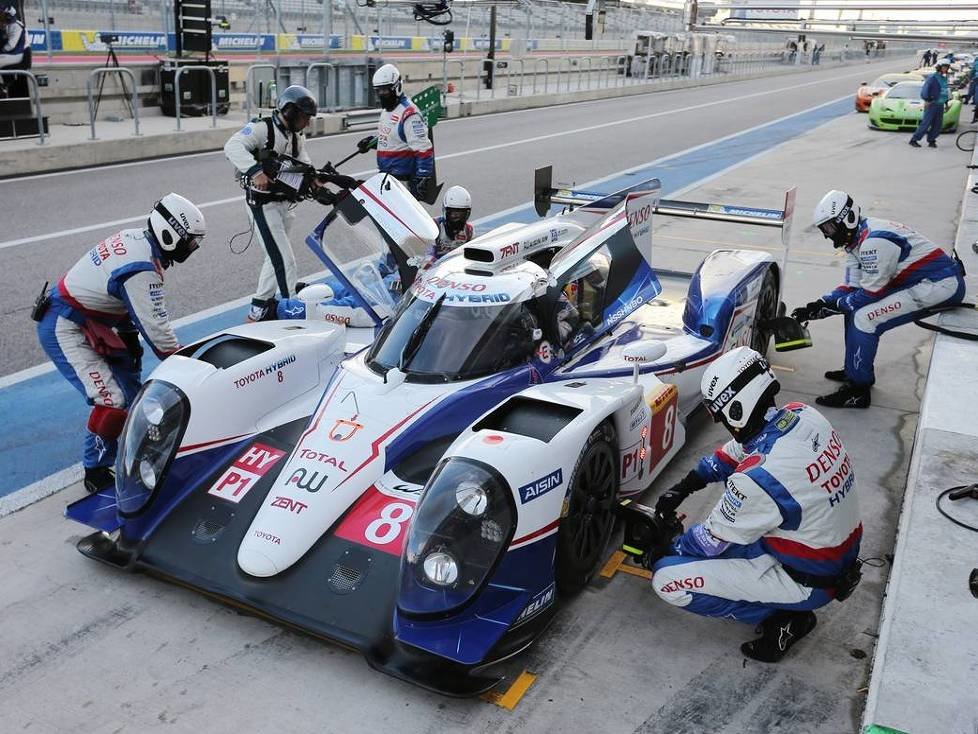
[107,422]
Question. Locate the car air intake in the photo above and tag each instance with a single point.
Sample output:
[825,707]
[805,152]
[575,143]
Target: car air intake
[350,570]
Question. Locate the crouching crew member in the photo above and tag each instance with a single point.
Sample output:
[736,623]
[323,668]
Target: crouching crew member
[783,539]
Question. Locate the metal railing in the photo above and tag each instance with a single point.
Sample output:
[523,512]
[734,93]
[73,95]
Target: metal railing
[360,117]
[248,85]
[324,65]
[176,90]
[35,98]
[133,97]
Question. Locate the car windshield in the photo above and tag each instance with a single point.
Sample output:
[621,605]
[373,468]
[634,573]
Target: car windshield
[443,341]
[886,81]
[904,91]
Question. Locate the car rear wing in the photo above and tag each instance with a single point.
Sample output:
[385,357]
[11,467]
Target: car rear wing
[545,195]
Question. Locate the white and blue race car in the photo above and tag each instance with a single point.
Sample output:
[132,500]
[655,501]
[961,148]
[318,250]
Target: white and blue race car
[427,489]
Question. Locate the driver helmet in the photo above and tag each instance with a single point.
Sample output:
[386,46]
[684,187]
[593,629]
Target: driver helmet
[294,102]
[943,62]
[456,208]
[178,226]
[837,217]
[737,388]
[8,14]
[388,86]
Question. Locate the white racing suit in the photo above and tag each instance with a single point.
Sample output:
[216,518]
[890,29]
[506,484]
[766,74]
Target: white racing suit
[116,286]
[271,213]
[403,147]
[445,243]
[892,275]
[789,508]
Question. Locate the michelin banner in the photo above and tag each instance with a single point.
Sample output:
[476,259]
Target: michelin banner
[305,41]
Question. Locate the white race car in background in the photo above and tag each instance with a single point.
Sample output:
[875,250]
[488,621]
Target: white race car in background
[422,490]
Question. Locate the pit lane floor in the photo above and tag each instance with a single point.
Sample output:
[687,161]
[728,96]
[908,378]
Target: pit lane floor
[126,653]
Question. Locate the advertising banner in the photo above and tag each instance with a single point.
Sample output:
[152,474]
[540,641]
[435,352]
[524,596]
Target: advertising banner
[305,41]
[125,40]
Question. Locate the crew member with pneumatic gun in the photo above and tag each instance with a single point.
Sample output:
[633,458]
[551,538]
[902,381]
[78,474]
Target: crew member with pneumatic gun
[783,539]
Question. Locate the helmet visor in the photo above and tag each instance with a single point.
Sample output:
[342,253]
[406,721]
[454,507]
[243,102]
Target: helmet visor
[830,229]
[456,217]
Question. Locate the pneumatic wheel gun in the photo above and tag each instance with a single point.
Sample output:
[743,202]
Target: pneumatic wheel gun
[648,534]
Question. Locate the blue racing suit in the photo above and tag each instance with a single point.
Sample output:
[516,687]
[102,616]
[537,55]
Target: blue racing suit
[115,287]
[893,275]
[789,516]
[935,94]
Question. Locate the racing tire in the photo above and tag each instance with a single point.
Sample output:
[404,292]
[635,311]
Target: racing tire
[767,308]
[586,528]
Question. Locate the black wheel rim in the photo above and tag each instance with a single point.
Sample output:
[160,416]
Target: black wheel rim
[590,513]
[767,308]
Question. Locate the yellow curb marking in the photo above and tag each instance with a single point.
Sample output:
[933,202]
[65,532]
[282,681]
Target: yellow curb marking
[513,694]
[617,563]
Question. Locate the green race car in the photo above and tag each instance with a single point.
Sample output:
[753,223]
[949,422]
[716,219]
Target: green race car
[901,108]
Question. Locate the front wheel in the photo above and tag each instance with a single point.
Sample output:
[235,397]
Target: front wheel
[767,308]
[585,530]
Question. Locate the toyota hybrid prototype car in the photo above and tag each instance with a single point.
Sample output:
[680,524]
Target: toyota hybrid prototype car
[428,491]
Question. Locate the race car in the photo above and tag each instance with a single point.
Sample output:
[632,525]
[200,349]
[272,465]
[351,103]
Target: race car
[430,490]
[869,91]
[901,108]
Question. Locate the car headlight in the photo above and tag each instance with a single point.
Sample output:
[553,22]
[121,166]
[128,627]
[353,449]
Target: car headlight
[156,422]
[464,522]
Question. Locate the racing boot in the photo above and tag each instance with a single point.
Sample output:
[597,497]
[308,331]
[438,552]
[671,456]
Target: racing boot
[778,633]
[849,395]
[836,375]
[262,310]
[98,478]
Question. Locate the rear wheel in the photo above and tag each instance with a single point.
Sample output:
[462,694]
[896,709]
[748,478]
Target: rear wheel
[585,531]
[767,308]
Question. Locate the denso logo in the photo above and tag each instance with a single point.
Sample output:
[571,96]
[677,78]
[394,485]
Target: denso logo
[310,483]
[541,486]
[686,584]
[883,310]
[287,503]
[268,536]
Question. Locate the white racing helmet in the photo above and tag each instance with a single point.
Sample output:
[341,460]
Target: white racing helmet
[388,86]
[456,206]
[736,385]
[837,217]
[178,226]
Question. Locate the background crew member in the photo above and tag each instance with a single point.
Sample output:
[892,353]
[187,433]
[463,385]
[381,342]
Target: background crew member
[935,94]
[784,537]
[88,323]
[893,275]
[271,211]
[403,147]
[15,52]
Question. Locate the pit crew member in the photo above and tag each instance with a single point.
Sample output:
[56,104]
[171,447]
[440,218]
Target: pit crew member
[15,52]
[453,225]
[403,147]
[270,207]
[89,323]
[784,537]
[893,275]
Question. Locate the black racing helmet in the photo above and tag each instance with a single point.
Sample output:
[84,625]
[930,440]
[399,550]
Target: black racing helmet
[296,100]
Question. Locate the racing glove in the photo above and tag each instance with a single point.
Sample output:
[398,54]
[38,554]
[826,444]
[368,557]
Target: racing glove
[814,310]
[367,143]
[338,179]
[670,500]
[130,337]
[419,187]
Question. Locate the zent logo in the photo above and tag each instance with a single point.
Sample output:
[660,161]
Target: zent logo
[287,503]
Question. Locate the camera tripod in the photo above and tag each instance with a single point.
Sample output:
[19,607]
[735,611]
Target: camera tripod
[112,61]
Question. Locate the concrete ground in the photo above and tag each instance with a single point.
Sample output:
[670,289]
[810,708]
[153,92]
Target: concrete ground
[89,649]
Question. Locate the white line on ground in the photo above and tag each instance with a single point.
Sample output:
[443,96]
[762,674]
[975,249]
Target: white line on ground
[476,151]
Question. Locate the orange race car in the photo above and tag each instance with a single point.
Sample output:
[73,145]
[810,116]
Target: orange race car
[866,92]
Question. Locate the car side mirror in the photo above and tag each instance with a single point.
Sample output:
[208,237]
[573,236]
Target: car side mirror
[643,352]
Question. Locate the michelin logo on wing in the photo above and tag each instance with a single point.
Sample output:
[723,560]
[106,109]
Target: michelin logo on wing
[541,486]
